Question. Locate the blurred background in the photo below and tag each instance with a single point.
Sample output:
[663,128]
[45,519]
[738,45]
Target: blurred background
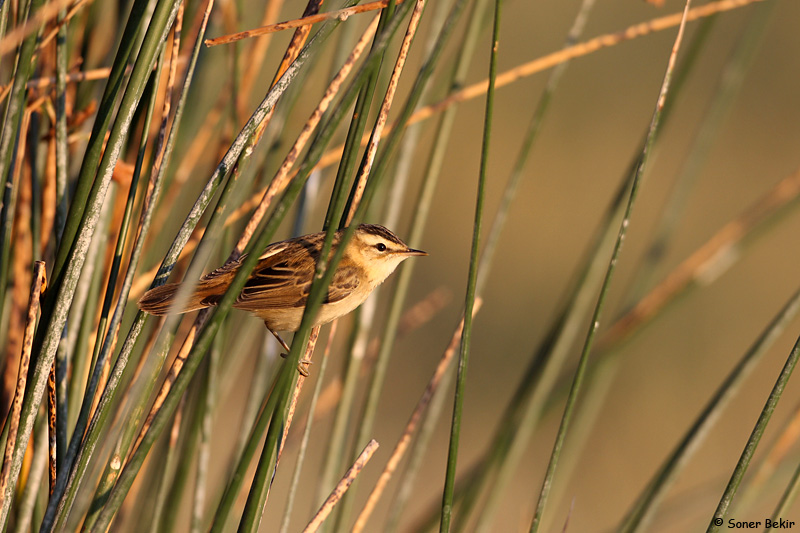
[731,136]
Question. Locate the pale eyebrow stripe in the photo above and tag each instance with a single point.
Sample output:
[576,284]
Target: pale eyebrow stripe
[380,231]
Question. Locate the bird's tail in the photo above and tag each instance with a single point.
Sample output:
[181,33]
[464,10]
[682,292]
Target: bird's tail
[161,301]
[210,288]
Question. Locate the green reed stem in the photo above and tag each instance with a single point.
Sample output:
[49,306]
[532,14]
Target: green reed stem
[231,492]
[97,365]
[466,336]
[62,152]
[336,207]
[265,472]
[718,519]
[83,313]
[335,454]
[167,471]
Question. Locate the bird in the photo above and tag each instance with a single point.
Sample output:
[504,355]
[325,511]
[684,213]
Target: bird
[277,289]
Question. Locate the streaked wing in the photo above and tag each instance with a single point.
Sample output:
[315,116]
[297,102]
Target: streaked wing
[214,284]
[275,284]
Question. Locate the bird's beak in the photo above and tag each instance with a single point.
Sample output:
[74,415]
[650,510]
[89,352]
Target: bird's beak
[411,251]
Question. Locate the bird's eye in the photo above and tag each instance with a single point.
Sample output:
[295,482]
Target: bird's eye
[381,247]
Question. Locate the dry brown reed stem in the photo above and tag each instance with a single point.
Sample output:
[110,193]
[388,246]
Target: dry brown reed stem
[333,155]
[416,416]
[73,77]
[424,310]
[175,431]
[383,114]
[305,360]
[20,262]
[38,286]
[705,264]
[282,177]
[341,487]
[101,383]
[328,346]
[169,90]
[51,426]
[192,28]
[305,21]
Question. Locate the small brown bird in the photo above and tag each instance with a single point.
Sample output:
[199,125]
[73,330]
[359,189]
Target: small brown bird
[277,289]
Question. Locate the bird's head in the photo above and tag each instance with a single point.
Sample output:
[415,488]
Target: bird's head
[378,251]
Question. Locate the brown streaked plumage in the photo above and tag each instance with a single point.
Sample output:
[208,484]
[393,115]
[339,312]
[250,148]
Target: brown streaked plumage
[278,287]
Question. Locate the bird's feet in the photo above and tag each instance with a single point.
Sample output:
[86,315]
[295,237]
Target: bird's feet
[302,365]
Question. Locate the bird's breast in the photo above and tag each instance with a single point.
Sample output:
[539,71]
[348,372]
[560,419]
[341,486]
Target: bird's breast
[288,319]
